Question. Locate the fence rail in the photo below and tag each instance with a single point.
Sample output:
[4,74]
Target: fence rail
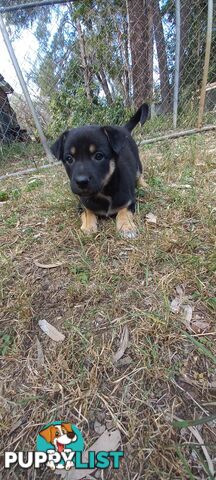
[39,3]
[68,63]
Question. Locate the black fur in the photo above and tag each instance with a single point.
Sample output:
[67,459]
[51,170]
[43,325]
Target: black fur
[105,179]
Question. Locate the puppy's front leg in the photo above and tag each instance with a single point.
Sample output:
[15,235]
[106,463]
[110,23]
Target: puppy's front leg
[141,182]
[125,224]
[89,222]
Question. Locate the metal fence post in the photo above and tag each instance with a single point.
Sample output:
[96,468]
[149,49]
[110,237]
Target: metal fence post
[177,64]
[24,88]
[206,63]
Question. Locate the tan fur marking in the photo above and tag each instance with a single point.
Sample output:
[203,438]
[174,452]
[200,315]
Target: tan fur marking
[124,222]
[109,174]
[141,182]
[92,148]
[73,150]
[89,222]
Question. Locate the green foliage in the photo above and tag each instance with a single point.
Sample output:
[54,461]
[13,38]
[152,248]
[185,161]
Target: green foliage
[211,302]
[25,18]
[61,74]
[13,194]
[73,111]
[5,344]
[3,196]
[81,274]
[17,150]
[34,183]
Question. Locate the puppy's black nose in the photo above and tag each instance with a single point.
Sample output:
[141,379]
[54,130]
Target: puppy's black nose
[70,434]
[82,181]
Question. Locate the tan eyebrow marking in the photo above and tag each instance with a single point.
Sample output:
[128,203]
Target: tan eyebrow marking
[92,148]
[73,150]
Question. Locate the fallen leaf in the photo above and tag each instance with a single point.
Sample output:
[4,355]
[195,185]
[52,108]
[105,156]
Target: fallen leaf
[34,179]
[97,474]
[198,437]
[123,345]
[187,314]
[123,362]
[51,331]
[175,185]
[151,218]
[108,441]
[99,428]
[180,291]
[190,381]
[199,326]
[109,424]
[176,303]
[57,387]
[40,355]
[16,425]
[47,265]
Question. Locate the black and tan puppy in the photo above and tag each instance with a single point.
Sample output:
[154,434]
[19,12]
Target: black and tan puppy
[103,166]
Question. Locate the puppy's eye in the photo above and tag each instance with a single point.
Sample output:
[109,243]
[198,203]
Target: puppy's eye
[98,156]
[69,159]
[57,433]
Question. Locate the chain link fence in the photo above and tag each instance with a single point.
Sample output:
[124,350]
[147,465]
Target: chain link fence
[95,62]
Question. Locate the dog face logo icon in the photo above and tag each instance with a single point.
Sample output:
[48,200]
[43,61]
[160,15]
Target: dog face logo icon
[60,440]
[59,435]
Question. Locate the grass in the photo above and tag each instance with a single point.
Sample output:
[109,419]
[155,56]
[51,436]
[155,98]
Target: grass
[104,284]
[20,155]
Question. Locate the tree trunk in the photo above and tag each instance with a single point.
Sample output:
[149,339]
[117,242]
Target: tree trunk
[139,43]
[185,36]
[125,75]
[123,40]
[128,50]
[127,63]
[149,14]
[162,56]
[101,76]
[86,72]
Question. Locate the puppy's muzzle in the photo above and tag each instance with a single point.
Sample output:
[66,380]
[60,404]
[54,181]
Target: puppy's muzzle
[82,181]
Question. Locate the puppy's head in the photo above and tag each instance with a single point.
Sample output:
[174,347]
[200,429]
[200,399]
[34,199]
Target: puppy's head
[89,155]
[59,435]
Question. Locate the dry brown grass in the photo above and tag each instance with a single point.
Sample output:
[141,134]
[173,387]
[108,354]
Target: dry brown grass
[105,283]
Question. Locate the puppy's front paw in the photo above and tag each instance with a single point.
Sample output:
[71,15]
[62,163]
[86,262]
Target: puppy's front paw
[141,182]
[89,230]
[125,225]
[89,222]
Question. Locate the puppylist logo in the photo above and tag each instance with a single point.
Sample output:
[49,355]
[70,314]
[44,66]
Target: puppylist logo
[60,445]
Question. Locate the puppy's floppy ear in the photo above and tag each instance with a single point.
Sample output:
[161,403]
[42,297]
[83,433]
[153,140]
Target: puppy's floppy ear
[116,138]
[57,148]
[46,434]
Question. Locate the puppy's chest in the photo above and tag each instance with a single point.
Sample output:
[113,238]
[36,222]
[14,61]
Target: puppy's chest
[100,204]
